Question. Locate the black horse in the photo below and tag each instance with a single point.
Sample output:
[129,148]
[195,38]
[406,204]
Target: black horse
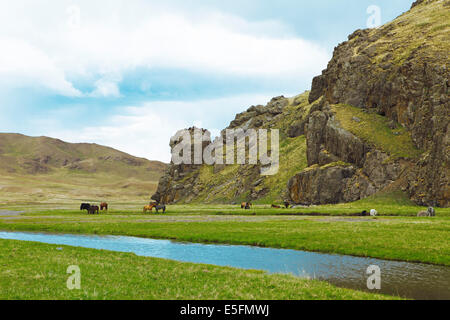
[85,206]
[160,207]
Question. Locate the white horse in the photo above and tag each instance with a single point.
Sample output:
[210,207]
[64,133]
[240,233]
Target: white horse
[373,213]
[429,213]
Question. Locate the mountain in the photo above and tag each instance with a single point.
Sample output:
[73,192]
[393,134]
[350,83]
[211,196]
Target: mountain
[376,121]
[43,166]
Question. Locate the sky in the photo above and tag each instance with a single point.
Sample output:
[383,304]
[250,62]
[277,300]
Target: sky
[130,73]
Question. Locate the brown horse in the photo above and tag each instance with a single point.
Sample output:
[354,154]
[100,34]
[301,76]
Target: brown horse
[104,205]
[246,205]
[93,210]
[150,207]
[276,207]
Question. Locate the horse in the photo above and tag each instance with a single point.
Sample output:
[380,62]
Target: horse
[246,205]
[429,213]
[104,205]
[85,206]
[150,207]
[93,210]
[276,207]
[373,213]
[160,207]
[287,204]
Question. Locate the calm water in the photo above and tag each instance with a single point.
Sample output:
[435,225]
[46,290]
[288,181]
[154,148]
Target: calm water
[413,280]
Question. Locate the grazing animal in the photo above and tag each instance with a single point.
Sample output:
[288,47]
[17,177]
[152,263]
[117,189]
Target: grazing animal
[373,213]
[160,207]
[429,213]
[93,210]
[423,214]
[246,205]
[104,205]
[150,207]
[287,204]
[85,206]
[364,213]
[275,206]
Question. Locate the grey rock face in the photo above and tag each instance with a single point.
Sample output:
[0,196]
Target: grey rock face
[320,185]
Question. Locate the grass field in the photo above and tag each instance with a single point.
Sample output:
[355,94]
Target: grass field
[66,187]
[38,271]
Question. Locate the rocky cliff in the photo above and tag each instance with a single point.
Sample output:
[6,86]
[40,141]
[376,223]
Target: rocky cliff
[400,71]
[376,120]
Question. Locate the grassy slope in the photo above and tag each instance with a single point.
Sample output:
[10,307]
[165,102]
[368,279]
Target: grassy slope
[401,238]
[38,271]
[427,20]
[292,162]
[374,129]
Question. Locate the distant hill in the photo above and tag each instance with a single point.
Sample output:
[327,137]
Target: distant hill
[39,155]
[42,166]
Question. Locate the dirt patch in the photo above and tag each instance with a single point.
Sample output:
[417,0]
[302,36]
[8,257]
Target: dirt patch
[10,213]
[348,220]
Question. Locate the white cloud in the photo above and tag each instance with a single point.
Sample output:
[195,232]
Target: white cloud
[54,42]
[106,87]
[22,64]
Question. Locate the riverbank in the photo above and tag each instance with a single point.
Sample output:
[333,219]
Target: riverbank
[38,271]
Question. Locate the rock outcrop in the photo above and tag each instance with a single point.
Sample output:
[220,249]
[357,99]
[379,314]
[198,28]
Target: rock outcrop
[179,179]
[399,71]
[321,185]
[342,167]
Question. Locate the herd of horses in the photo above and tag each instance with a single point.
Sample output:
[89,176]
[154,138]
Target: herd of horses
[94,209]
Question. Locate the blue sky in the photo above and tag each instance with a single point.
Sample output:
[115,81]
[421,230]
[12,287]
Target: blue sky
[128,74]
